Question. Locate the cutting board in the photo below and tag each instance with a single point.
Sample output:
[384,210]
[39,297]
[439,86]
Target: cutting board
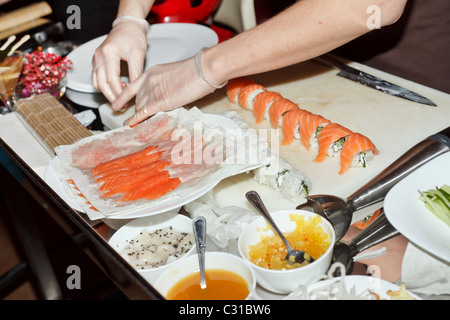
[393,124]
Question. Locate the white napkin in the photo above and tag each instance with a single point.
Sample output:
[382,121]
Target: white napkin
[425,274]
[224,224]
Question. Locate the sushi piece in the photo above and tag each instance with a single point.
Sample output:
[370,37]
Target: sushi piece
[234,87]
[357,151]
[262,104]
[311,126]
[283,177]
[247,95]
[278,109]
[291,123]
[331,140]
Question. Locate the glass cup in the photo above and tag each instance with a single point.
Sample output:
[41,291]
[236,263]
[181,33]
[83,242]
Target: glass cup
[10,70]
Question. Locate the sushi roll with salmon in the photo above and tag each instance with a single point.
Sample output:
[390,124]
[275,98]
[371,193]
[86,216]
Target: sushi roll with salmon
[262,104]
[235,86]
[309,131]
[278,110]
[331,140]
[291,123]
[356,152]
[248,94]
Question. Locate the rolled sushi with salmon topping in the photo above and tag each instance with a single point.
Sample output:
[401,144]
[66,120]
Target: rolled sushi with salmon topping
[235,86]
[357,151]
[331,140]
[291,123]
[278,110]
[248,94]
[262,104]
[309,131]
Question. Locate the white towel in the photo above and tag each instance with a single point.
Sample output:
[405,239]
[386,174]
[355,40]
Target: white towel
[425,274]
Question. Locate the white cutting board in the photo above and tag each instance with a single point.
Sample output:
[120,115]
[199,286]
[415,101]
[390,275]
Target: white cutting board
[392,123]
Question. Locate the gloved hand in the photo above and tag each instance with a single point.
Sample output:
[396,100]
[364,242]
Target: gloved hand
[165,87]
[127,41]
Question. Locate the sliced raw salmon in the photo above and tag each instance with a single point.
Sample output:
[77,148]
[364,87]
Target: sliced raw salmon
[130,164]
[122,161]
[134,185]
[127,177]
[152,191]
[327,137]
[355,147]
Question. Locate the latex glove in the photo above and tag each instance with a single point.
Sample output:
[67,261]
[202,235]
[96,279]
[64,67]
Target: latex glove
[163,88]
[127,41]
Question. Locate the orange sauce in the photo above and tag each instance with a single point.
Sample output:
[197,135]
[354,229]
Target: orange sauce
[220,285]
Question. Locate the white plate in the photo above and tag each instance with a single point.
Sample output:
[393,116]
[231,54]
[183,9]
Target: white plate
[168,42]
[409,215]
[169,204]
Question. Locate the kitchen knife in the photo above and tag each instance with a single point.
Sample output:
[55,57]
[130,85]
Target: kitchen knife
[372,81]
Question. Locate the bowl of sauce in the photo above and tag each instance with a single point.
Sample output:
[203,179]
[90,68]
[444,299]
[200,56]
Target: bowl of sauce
[228,277]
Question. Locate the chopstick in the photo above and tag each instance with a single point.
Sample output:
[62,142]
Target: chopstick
[3,50]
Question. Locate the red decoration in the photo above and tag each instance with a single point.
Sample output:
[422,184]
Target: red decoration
[42,72]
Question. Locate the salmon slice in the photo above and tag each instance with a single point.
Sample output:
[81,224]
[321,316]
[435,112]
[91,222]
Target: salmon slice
[155,166]
[133,186]
[248,94]
[126,177]
[311,123]
[262,104]
[234,87]
[329,135]
[154,191]
[279,108]
[292,122]
[355,146]
[132,164]
[122,161]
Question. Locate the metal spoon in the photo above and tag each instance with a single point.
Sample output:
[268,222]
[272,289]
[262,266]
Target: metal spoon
[199,226]
[293,256]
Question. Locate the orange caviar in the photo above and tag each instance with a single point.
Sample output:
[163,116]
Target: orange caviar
[308,236]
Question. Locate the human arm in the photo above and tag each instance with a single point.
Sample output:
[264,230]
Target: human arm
[306,29]
[127,41]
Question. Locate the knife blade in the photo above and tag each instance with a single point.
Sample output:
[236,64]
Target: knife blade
[371,81]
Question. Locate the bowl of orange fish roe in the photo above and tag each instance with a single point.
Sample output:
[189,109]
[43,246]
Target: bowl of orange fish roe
[264,251]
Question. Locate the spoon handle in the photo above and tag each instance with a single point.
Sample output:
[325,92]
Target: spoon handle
[254,198]
[200,239]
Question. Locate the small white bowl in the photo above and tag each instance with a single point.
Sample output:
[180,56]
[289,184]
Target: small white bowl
[213,260]
[284,281]
[131,230]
